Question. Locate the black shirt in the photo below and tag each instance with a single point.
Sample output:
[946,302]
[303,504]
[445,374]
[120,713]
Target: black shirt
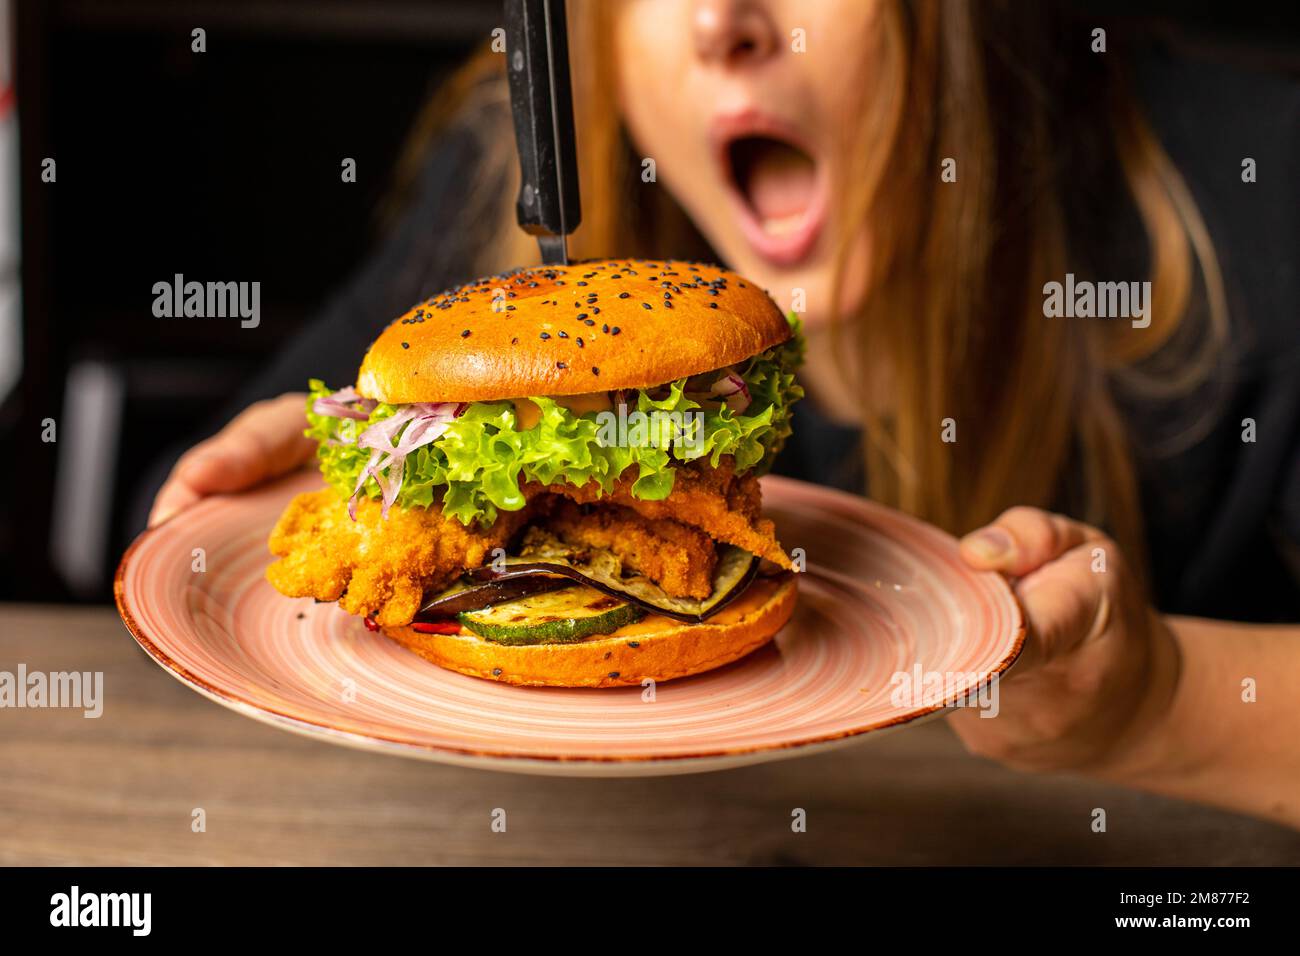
[1223,515]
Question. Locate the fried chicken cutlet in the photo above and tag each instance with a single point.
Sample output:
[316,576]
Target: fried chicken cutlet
[715,500]
[677,557]
[382,568]
[375,566]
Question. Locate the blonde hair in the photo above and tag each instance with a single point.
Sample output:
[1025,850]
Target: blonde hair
[954,296]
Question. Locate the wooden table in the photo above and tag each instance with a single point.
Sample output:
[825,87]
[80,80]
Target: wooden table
[122,790]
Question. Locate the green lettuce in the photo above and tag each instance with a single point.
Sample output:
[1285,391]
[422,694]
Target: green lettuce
[477,465]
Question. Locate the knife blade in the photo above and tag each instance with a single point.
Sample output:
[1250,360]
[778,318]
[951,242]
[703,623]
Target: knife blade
[541,103]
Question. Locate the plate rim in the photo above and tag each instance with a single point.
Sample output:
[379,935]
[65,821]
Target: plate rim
[489,758]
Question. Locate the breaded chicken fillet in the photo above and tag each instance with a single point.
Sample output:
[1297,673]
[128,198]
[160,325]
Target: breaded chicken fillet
[715,500]
[375,567]
[677,557]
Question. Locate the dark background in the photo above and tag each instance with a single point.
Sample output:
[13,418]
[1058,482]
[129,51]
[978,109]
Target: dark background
[222,166]
[225,166]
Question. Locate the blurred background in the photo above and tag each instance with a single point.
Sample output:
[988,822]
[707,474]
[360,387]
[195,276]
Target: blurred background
[171,162]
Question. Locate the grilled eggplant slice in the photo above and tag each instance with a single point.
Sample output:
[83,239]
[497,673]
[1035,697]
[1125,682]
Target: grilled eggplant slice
[544,554]
[470,595]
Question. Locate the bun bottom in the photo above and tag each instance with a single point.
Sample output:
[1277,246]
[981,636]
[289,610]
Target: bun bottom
[655,648]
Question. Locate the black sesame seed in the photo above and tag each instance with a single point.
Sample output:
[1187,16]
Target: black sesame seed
[582,316]
[594,370]
[579,341]
[595,311]
[465,334]
[624,295]
[582,283]
[646,305]
[605,329]
[615,330]
[561,365]
[613,673]
[496,672]
[713,305]
[546,335]
[633,643]
[406,345]
[563,334]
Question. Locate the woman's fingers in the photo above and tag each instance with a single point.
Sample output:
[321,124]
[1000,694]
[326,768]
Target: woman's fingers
[1066,604]
[1075,693]
[172,497]
[1062,585]
[1023,539]
[263,441]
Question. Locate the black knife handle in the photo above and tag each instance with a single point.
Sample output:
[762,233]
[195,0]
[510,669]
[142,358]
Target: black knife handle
[537,52]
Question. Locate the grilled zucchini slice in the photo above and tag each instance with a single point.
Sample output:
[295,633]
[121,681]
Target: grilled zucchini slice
[555,617]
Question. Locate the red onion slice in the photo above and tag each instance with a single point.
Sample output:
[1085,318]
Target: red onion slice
[345,403]
[729,388]
[392,439]
[733,391]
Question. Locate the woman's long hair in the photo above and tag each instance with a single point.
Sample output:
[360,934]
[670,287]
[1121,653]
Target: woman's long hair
[1055,167]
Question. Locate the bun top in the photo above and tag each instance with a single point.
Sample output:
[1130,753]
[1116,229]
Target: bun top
[568,330]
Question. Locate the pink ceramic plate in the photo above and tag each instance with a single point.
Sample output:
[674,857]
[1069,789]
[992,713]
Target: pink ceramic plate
[883,594]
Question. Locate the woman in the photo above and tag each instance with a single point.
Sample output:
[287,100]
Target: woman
[912,178]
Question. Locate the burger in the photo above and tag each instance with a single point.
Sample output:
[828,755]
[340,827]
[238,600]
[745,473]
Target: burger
[550,477]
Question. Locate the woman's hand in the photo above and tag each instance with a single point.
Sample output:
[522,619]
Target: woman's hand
[1099,665]
[262,442]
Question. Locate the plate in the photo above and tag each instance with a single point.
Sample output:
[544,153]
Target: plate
[884,603]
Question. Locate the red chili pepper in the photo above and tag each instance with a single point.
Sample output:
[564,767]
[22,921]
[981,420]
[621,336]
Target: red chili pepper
[436,627]
[370,625]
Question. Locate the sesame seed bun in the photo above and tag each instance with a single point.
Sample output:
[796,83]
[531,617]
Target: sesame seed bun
[654,648]
[569,330]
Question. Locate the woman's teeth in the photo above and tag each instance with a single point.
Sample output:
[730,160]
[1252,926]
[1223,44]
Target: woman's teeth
[780,204]
[784,225]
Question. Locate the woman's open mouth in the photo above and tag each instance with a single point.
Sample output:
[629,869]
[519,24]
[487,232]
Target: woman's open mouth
[776,185]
